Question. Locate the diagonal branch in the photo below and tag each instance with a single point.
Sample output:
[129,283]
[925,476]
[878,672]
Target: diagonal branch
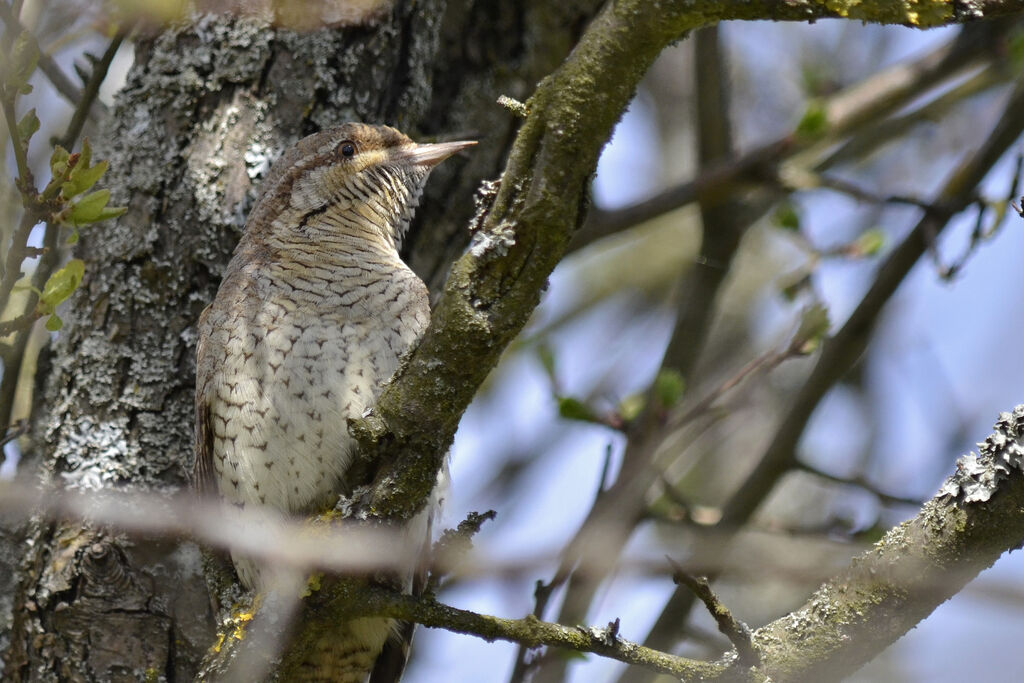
[493,289]
[976,517]
[857,114]
[844,349]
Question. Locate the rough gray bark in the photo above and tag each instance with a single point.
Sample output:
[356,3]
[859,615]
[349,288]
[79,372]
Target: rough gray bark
[207,106]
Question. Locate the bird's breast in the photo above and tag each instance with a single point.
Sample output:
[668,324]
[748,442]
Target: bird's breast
[296,368]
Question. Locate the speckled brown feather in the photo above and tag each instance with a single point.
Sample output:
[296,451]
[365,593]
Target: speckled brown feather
[315,310]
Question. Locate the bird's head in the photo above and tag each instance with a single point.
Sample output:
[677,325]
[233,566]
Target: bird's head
[354,180]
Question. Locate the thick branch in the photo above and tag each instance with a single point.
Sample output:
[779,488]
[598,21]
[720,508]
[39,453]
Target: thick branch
[976,517]
[494,288]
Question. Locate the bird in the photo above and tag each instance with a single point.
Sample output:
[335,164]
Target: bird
[313,315]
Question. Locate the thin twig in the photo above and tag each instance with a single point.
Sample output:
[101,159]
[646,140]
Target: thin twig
[11,267]
[49,67]
[22,322]
[732,628]
[766,362]
[603,641]
[453,545]
[980,233]
[861,483]
[92,88]
[16,430]
[862,194]
[542,591]
[25,181]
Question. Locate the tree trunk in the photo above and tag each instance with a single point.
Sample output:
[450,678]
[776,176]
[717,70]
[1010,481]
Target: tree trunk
[206,107]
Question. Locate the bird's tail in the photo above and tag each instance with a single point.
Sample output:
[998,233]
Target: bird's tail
[347,654]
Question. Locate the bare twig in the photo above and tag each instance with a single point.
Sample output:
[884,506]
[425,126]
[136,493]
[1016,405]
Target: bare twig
[861,483]
[982,229]
[372,600]
[91,91]
[19,324]
[49,67]
[732,628]
[25,182]
[15,431]
[11,272]
[764,363]
[454,544]
[861,194]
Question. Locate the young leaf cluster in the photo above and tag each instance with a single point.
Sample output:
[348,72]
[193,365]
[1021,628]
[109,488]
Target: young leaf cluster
[68,199]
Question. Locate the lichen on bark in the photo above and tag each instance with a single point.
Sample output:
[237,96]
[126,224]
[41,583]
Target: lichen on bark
[207,107]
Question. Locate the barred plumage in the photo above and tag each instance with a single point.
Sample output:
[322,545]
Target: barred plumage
[315,311]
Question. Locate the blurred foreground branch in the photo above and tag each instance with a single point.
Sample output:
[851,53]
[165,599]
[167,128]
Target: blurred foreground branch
[976,516]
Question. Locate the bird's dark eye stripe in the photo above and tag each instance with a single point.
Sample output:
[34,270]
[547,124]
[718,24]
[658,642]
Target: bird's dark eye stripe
[347,149]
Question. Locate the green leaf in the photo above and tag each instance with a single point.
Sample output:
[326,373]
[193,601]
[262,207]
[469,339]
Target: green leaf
[89,208]
[85,156]
[61,285]
[73,237]
[669,386]
[82,178]
[59,161]
[794,284]
[110,212]
[814,122]
[24,58]
[54,323]
[814,326]
[786,216]
[574,409]
[570,655]
[28,126]
[1015,49]
[630,407]
[869,243]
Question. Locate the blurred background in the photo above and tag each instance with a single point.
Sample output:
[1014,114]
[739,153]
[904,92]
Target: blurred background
[542,438]
[940,367]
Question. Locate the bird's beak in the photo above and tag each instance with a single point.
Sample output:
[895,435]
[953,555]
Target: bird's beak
[431,155]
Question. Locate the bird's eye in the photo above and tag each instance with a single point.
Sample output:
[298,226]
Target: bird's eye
[347,149]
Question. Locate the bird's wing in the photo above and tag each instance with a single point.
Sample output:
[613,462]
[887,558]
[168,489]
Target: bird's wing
[202,472]
[393,656]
